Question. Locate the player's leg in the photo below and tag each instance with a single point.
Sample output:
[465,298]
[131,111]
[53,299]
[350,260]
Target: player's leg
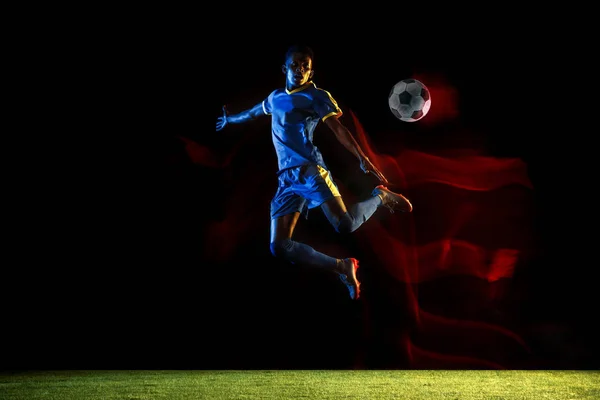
[348,219]
[286,207]
[315,184]
[319,187]
[284,247]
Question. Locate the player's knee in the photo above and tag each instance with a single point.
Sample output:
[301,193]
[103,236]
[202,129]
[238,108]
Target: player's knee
[281,248]
[346,224]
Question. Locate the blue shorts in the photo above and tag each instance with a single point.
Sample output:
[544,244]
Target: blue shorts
[301,189]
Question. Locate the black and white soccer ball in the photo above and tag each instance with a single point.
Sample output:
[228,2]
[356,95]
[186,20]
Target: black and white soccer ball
[409,100]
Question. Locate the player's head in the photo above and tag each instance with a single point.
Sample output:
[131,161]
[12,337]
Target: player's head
[298,65]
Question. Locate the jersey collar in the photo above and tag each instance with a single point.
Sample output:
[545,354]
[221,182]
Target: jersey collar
[300,88]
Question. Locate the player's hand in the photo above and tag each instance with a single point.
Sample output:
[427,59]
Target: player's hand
[369,168]
[222,120]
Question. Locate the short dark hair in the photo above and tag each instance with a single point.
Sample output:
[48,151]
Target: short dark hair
[300,48]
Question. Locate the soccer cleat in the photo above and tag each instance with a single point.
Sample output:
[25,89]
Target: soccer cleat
[348,277]
[393,201]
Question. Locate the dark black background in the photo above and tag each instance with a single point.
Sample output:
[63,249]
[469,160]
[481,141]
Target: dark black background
[128,285]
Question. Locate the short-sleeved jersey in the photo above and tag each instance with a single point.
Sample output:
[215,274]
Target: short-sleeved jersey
[294,117]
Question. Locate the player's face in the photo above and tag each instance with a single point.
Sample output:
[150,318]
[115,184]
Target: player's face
[298,70]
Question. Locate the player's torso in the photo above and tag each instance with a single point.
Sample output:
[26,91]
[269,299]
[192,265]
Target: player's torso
[294,119]
[296,109]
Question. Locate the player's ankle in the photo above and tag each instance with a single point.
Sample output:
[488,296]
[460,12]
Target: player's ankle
[340,266]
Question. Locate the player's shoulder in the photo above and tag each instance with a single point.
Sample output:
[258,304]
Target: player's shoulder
[275,93]
[319,92]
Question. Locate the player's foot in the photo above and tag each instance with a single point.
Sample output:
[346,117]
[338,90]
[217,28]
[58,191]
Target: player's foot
[348,276]
[393,201]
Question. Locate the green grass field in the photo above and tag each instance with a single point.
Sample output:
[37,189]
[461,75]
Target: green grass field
[284,384]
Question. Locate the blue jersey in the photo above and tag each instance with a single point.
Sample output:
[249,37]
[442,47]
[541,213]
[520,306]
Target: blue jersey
[294,117]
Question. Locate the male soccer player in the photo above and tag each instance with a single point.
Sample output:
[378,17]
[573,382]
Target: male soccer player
[304,179]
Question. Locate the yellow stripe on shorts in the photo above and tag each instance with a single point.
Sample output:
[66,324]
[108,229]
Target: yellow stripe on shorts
[326,175]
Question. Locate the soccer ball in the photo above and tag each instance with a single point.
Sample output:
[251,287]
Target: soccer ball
[409,100]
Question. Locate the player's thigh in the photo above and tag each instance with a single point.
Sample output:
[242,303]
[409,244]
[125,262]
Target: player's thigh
[283,227]
[334,209]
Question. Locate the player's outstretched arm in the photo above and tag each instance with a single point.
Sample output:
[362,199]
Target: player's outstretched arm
[344,136]
[244,116]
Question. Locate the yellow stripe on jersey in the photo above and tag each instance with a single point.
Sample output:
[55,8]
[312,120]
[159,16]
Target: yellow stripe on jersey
[331,114]
[338,111]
